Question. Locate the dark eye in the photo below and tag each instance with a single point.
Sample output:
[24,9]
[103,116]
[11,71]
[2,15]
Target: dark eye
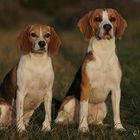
[112,19]
[47,35]
[33,34]
[98,19]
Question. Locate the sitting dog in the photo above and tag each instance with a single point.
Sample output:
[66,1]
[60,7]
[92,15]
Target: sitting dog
[31,80]
[99,74]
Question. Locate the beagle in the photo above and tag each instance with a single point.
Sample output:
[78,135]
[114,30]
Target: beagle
[31,81]
[99,74]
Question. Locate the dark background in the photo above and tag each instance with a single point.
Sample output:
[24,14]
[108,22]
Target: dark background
[63,13]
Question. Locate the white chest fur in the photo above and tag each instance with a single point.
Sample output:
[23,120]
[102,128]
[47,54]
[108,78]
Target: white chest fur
[104,72]
[34,77]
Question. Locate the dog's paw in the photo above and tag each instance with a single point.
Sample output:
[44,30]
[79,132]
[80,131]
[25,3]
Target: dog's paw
[119,127]
[46,127]
[21,128]
[83,129]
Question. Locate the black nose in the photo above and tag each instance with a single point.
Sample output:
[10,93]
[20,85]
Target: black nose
[41,44]
[107,27]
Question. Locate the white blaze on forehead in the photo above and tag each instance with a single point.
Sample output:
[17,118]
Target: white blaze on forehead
[40,31]
[40,38]
[105,15]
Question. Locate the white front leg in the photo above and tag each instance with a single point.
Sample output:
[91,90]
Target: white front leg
[116,95]
[83,125]
[19,111]
[47,104]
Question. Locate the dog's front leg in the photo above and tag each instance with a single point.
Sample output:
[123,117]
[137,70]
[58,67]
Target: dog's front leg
[47,104]
[19,111]
[116,95]
[83,125]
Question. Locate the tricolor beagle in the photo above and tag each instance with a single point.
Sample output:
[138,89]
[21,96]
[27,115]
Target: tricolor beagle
[31,81]
[99,73]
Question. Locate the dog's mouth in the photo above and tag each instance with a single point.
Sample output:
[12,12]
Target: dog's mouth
[106,35]
[39,51]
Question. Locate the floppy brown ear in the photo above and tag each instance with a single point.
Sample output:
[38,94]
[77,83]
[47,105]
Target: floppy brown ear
[121,25]
[85,26]
[23,40]
[54,44]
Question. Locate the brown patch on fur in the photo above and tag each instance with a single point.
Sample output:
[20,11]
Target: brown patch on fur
[23,40]
[66,100]
[85,85]
[84,25]
[54,43]
[87,24]
[120,24]
[89,56]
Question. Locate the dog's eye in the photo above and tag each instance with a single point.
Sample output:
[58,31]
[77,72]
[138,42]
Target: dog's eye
[98,19]
[47,35]
[33,34]
[112,19]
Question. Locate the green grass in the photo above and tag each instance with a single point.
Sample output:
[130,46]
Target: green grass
[65,65]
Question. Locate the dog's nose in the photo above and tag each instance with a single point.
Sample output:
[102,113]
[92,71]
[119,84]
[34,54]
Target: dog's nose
[107,27]
[41,44]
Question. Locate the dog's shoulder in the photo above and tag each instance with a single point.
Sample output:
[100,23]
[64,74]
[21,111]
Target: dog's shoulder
[75,88]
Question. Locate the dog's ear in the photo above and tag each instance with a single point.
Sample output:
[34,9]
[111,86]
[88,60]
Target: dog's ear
[54,43]
[121,25]
[85,24]
[23,40]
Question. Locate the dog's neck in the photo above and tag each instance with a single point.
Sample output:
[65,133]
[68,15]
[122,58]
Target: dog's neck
[103,49]
[36,56]
[103,45]
[35,59]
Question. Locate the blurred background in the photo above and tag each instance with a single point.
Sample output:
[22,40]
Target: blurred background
[63,16]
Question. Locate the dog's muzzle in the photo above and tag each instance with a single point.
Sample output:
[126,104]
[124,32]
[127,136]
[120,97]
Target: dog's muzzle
[40,47]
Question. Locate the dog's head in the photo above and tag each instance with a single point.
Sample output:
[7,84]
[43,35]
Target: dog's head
[102,24]
[39,39]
